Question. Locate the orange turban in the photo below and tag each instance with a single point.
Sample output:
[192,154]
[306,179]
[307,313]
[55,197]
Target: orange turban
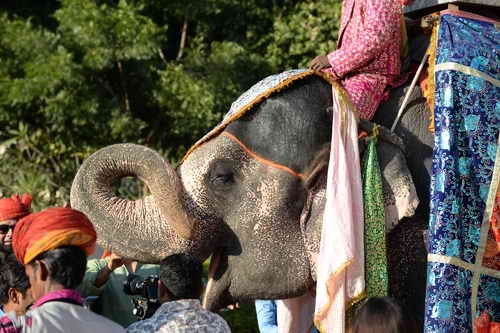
[15,207]
[50,229]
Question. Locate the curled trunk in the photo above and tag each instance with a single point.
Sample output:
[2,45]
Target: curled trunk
[147,229]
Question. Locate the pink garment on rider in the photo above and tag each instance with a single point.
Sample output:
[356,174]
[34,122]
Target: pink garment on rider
[367,59]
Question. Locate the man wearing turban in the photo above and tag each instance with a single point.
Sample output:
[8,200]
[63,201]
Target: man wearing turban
[11,210]
[53,245]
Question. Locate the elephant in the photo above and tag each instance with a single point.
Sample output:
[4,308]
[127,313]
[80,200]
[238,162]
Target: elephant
[244,197]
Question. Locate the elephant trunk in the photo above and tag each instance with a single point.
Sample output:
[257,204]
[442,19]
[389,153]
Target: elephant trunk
[146,229]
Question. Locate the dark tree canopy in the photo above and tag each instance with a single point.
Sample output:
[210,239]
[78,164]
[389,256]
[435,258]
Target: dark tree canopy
[78,75]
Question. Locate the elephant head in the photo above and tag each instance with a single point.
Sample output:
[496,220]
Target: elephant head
[243,196]
[237,196]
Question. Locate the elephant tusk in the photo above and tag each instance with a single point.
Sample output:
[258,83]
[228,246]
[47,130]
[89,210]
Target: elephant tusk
[214,265]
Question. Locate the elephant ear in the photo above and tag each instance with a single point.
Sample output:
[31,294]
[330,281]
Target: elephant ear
[400,195]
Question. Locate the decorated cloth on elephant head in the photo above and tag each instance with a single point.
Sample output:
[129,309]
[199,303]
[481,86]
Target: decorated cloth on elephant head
[253,96]
[400,197]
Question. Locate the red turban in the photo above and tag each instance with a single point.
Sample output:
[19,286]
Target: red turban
[15,207]
[50,229]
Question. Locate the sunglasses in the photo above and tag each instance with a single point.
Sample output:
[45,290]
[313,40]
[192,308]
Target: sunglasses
[5,228]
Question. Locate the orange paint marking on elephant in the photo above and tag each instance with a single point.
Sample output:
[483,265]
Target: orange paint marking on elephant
[261,159]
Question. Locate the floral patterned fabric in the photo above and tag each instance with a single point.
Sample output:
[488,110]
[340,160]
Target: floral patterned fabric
[181,316]
[376,276]
[368,54]
[466,172]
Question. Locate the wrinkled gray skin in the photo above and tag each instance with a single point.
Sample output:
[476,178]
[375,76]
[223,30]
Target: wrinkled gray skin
[223,201]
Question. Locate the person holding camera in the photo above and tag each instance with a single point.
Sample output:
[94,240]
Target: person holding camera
[105,278]
[179,289]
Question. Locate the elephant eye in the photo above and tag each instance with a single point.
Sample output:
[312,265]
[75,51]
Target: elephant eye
[222,174]
[222,179]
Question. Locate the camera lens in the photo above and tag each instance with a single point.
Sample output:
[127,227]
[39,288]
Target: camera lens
[138,312]
[133,285]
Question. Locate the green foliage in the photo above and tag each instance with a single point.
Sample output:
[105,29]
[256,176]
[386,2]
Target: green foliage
[52,118]
[242,320]
[104,34]
[307,30]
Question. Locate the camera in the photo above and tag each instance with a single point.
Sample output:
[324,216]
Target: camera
[147,290]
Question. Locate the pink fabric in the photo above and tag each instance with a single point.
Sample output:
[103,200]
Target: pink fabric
[59,294]
[7,326]
[368,56]
[340,277]
[295,315]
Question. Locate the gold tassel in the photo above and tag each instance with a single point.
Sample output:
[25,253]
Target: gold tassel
[429,90]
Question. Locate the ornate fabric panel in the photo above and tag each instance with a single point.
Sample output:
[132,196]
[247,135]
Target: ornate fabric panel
[463,280]
[376,272]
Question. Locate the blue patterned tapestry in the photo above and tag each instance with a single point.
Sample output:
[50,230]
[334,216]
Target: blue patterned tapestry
[467,120]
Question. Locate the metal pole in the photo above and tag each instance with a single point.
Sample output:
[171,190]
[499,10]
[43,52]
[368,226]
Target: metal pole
[408,93]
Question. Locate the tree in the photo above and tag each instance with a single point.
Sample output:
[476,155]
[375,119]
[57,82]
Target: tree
[302,32]
[77,75]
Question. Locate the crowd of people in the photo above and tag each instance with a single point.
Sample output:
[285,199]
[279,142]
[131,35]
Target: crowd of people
[45,274]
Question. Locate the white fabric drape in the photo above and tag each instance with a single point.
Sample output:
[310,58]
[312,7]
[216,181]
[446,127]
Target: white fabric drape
[341,259]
